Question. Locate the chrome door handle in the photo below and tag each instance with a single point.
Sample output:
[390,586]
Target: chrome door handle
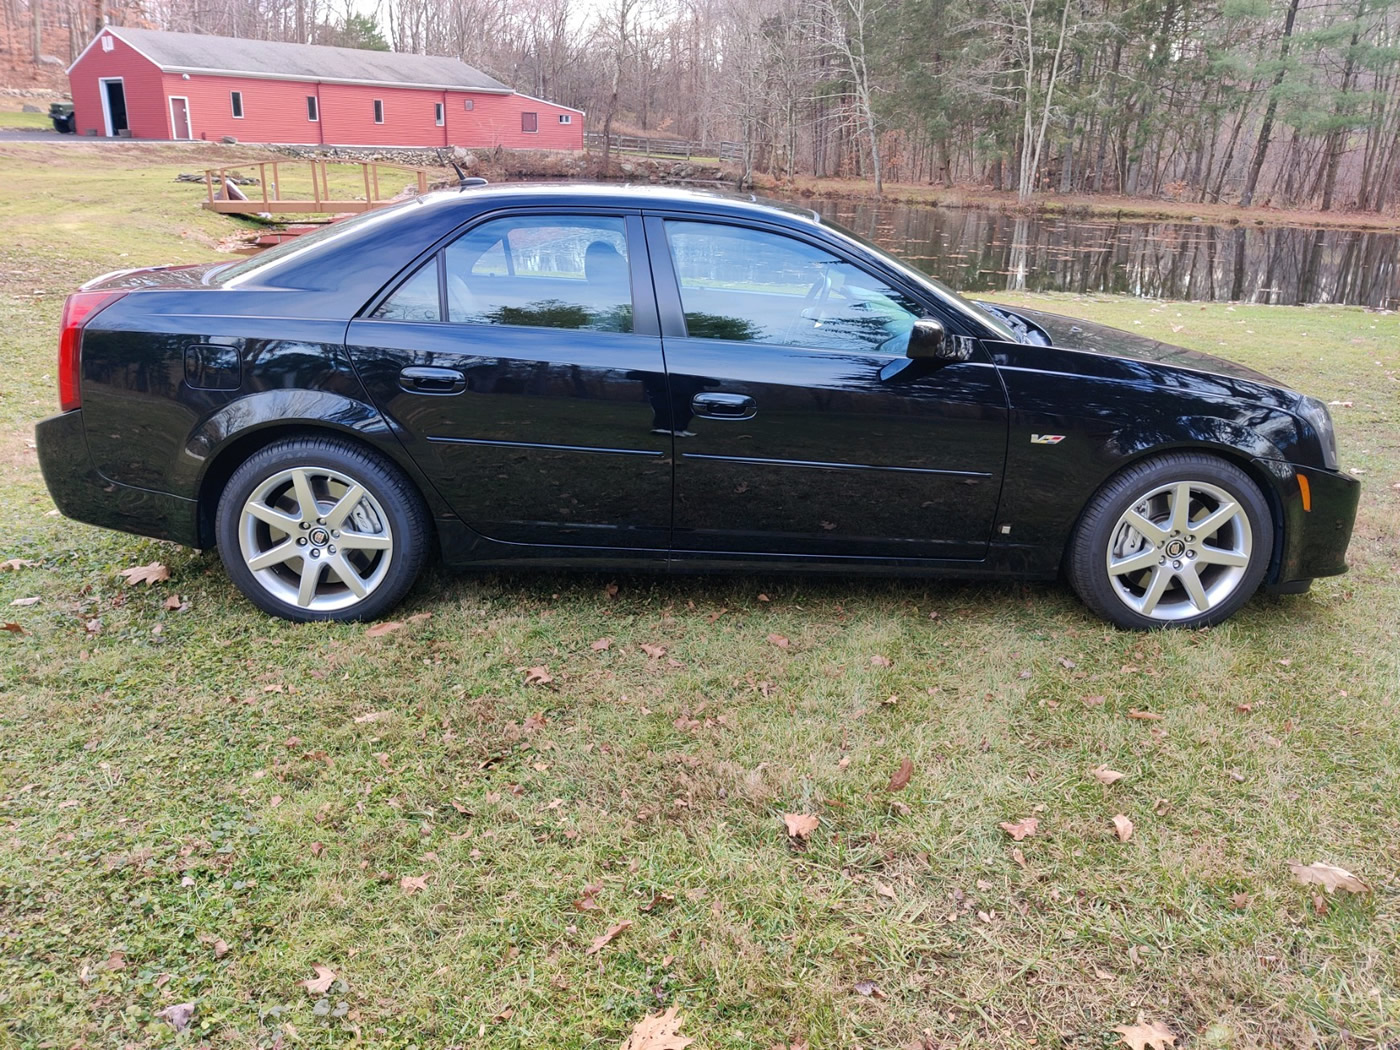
[724,406]
[419,380]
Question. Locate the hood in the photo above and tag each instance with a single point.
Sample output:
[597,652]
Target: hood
[1069,333]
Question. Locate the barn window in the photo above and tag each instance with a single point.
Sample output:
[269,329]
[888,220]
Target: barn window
[529,122]
[107,44]
[469,103]
[437,113]
[313,110]
[379,111]
[235,99]
[566,118]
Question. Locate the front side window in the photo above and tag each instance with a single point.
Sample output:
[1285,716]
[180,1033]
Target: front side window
[749,285]
[529,122]
[379,111]
[235,99]
[313,109]
[542,271]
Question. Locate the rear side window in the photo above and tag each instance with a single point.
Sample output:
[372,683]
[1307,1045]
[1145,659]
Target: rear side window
[417,299]
[542,271]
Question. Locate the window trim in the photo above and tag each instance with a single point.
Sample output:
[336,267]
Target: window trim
[313,109]
[566,118]
[379,111]
[530,113]
[439,114]
[235,101]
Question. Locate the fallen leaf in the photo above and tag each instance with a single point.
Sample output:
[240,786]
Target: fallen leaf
[1067,663]
[900,780]
[779,640]
[607,937]
[658,1032]
[601,645]
[1328,876]
[1146,716]
[1092,701]
[321,983]
[1141,1036]
[1105,776]
[13,628]
[869,988]
[589,900]
[1018,856]
[1122,827]
[884,889]
[800,825]
[1236,776]
[538,676]
[411,884]
[504,1015]
[177,1016]
[68,803]
[147,574]
[23,602]
[116,961]
[371,716]
[881,661]
[1022,829]
[173,602]
[656,652]
[1240,901]
[387,627]
[15,564]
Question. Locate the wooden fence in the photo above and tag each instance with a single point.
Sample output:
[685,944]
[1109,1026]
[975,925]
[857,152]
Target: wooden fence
[677,148]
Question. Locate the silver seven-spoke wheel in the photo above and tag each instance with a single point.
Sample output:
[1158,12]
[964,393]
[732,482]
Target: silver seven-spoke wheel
[321,529]
[1180,540]
[316,538]
[1179,551]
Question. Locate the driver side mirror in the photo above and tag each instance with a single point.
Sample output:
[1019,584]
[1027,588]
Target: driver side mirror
[928,341]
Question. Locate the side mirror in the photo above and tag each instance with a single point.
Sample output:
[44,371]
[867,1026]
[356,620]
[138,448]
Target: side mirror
[928,341]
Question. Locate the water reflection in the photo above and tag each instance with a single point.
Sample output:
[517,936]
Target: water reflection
[977,250]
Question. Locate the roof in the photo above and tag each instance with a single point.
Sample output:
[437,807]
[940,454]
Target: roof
[233,56]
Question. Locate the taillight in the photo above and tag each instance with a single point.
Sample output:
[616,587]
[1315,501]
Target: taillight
[79,308]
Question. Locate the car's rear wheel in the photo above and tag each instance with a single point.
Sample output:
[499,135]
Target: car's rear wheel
[321,529]
[1181,540]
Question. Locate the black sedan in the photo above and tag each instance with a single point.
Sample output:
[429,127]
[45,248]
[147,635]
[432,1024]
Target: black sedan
[626,378]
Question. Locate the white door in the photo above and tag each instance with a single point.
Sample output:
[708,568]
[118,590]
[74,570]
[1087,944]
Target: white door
[180,117]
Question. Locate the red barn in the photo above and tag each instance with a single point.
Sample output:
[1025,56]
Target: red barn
[150,84]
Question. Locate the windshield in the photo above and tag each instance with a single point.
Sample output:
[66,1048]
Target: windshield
[952,298]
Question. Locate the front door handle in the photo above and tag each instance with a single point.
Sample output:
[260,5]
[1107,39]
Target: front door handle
[724,406]
[420,380]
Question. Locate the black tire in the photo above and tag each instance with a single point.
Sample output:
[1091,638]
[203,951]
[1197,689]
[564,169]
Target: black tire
[1150,585]
[282,508]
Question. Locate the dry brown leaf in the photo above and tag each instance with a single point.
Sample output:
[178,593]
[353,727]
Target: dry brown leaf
[1328,876]
[1022,829]
[24,602]
[884,889]
[15,564]
[658,1032]
[321,983]
[1122,827]
[147,574]
[800,825]
[656,652]
[607,937]
[589,900]
[411,884]
[881,661]
[779,640]
[1105,776]
[13,628]
[900,780]
[371,716]
[601,645]
[1018,857]
[1092,701]
[387,627]
[116,961]
[177,1016]
[538,676]
[1146,716]
[1142,1036]
[869,988]
[173,602]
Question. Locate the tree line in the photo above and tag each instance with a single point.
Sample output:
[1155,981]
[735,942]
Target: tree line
[1293,103]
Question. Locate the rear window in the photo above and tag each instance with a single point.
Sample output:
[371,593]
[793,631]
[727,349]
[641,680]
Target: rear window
[232,273]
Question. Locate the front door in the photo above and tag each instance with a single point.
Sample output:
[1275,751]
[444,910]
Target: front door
[180,117]
[800,427]
[522,364]
[114,104]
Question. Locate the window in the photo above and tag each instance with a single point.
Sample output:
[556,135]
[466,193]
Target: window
[107,44]
[529,122]
[752,286]
[417,299]
[313,109]
[437,113]
[469,104]
[379,111]
[235,99]
[566,118]
[542,271]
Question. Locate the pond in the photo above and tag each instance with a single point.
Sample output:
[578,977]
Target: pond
[980,250]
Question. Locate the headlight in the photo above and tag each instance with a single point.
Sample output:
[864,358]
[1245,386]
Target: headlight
[1315,414]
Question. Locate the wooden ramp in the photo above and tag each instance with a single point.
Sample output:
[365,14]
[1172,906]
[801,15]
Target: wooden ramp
[314,187]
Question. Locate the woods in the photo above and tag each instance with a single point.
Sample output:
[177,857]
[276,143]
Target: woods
[1289,103]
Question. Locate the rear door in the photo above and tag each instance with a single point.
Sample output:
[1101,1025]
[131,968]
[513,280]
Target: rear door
[520,364]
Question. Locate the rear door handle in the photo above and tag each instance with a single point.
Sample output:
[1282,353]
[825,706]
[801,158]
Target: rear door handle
[419,380]
[724,406]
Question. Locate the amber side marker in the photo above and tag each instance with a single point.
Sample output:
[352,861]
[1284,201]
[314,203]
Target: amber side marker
[1305,492]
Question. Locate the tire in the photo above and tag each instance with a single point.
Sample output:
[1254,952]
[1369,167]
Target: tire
[1138,562]
[283,537]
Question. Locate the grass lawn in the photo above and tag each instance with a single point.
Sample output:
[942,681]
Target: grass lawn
[199,804]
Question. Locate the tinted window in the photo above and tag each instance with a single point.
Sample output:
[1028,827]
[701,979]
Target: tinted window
[755,286]
[416,299]
[546,271]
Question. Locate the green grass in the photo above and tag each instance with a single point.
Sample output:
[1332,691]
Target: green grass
[170,778]
[17,119]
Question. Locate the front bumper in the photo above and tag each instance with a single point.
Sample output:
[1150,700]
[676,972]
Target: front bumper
[1316,530]
[83,494]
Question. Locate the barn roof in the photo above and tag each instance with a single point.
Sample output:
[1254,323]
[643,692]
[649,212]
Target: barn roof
[232,56]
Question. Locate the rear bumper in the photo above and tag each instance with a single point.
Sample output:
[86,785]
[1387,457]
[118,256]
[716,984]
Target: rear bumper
[1314,539]
[83,494]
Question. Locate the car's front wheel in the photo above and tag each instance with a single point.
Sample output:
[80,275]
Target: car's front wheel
[1180,540]
[321,529]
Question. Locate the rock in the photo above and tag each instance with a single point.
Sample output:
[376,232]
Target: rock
[27,108]
[229,140]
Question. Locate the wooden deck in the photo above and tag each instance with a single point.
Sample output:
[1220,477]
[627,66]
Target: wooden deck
[319,197]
